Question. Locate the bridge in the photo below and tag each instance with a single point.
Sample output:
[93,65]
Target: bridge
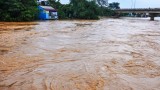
[153,12]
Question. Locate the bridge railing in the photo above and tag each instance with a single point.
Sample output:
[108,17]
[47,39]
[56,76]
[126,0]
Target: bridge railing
[138,9]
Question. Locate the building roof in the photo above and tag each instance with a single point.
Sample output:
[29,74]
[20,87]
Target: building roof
[48,8]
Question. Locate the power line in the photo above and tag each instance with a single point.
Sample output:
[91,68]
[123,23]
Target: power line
[135,3]
[131,3]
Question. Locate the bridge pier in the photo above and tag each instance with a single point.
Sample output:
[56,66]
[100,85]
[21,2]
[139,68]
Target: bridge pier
[152,15]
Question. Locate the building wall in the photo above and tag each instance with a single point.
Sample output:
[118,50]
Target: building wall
[43,14]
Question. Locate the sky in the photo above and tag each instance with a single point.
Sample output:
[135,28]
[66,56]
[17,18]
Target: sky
[130,3]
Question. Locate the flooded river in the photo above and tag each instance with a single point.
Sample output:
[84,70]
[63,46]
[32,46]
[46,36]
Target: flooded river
[106,54]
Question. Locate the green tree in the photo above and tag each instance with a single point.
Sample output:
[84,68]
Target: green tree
[114,5]
[18,10]
[83,9]
[80,9]
[55,4]
[105,11]
[102,2]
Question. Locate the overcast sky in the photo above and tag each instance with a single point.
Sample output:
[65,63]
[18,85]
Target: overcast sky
[130,3]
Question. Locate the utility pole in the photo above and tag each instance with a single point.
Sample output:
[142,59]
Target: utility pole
[135,3]
[132,3]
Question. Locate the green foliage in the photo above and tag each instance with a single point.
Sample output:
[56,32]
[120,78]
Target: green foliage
[66,10]
[18,10]
[102,2]
[83,9]
[114,5]
[80,9]
[104,11]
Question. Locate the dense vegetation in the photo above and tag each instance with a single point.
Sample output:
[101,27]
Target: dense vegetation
[81,9]
[18,10]
[114,5]
[102,2]
[27,10]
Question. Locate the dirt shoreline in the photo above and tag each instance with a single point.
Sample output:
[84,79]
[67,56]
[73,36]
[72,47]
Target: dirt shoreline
[106,54]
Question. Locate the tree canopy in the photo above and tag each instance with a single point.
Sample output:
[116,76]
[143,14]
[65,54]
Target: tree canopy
[84,9]
[114,5]
[18,10]
[27,10]
[102,2]
[80,9]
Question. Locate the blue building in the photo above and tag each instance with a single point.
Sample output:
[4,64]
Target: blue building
[47,12]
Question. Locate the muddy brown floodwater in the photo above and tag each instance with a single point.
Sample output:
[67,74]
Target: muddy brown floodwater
[107,54]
